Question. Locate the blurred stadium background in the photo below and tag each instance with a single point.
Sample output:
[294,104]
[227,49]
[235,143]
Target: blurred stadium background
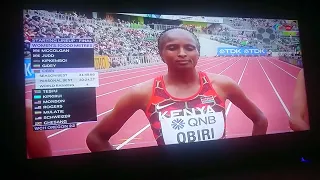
[129,40]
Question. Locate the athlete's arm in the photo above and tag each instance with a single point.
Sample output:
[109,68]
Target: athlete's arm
[298,114]
[239,99]
[128,104]
[37,141]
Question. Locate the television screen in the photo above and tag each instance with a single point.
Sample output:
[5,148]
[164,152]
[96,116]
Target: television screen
[111,81]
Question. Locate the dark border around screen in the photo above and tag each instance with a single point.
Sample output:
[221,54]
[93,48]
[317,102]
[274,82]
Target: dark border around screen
[212,158]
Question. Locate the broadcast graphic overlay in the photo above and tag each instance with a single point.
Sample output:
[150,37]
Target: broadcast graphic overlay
[77,66]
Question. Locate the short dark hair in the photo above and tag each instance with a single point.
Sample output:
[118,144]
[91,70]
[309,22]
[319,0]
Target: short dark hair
[160,38]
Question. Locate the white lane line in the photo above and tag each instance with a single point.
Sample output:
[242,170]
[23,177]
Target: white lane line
[141,130]
[132,137]
[244,69]
[216,64]
[281,69]
[287,64]
[275,90]
[230,66]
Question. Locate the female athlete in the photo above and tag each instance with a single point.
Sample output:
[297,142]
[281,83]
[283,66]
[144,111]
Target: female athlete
[183,105]
[299,117]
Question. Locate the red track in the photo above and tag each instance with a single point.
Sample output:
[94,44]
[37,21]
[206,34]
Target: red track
[268,82]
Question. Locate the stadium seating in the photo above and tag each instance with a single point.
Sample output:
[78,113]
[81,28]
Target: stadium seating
[127,40]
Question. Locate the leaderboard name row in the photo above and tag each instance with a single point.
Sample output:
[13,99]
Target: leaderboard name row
[60,108]
[62,53]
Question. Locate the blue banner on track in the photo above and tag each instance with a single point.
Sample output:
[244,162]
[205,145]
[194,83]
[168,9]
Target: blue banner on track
[231,51]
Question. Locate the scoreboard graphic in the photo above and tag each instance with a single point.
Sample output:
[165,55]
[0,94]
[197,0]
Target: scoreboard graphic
[63,70]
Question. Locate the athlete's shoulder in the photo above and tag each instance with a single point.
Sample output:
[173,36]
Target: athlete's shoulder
[220,80]
[144,87]
[142,92]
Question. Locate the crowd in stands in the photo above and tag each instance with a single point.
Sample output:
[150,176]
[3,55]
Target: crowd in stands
[114,41]
[122,38]
[127,39]
[196,29]
[254,23]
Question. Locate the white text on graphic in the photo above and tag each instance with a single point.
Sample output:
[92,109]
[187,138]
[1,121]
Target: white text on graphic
[52,106]
[55,122]
[52,96]
[48,65]
[47,55]
[55,80]
[54,60]
[184,112]
[53,75]
[50,91]
[53,127]
[57,117]
[53,112]
[53,101]
[55,50]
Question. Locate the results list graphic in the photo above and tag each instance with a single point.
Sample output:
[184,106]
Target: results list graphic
[65,82]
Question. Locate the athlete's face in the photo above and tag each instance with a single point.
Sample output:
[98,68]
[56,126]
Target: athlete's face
[179,49]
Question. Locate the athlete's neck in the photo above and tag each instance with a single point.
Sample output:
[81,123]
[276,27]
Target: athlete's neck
[182,77]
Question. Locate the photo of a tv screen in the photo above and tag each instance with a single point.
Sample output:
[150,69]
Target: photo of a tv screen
[103,81]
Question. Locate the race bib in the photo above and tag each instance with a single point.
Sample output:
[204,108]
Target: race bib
[194,128]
